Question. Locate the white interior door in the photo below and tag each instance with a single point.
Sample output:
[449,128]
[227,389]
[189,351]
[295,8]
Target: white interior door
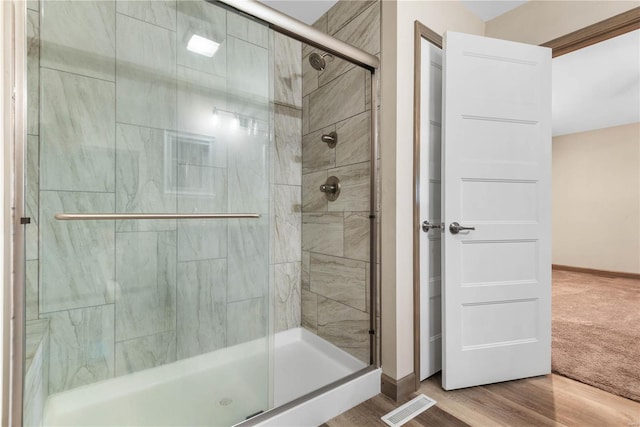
[496,178]
[430,209]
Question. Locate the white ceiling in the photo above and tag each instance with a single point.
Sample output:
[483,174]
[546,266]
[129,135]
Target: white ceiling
[597,86]
[489,9]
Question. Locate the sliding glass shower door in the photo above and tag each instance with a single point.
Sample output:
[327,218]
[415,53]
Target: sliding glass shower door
[149,132]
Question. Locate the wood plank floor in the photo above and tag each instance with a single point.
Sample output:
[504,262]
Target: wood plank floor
[551,400]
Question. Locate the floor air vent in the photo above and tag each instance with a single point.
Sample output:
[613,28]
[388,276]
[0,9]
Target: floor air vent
[409,410]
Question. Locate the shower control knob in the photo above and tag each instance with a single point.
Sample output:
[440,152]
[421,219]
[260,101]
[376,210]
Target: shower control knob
[331,188]
[328,188]
[331,139]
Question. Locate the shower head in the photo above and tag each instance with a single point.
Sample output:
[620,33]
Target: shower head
[317,61]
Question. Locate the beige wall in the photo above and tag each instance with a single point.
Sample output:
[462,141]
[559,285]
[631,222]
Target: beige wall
[537,21]
[397,165]
[596,199]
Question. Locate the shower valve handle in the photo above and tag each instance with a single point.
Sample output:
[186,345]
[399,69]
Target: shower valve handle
[331,139]
[331,188]
[328,188]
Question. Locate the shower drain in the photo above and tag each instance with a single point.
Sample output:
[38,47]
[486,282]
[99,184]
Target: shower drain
[226,402]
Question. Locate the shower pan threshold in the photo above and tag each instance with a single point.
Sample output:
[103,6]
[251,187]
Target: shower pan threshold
[222,387]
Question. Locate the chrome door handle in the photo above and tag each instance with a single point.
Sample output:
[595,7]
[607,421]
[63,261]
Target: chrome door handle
[426,226]
[455,228]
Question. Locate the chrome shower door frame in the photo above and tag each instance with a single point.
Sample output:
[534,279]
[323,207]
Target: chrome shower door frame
[14,52]
[304,33]
[13,16]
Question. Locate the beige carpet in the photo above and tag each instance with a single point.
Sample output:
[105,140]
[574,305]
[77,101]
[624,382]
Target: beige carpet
[596,331]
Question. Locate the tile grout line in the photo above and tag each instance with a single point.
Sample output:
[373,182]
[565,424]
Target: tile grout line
[64,310]
[334,124]
[339,167]
[147,22]
[238,38]
[80,75]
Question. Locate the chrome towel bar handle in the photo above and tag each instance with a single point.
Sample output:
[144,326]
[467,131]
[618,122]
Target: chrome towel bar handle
[142,216]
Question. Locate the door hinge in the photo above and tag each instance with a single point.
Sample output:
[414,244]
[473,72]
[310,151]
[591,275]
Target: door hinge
[372,332]
[25,220]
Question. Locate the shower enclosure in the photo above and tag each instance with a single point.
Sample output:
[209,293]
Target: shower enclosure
[198,229]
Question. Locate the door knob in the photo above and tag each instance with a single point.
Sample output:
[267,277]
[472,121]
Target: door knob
[427,226]
[455,228]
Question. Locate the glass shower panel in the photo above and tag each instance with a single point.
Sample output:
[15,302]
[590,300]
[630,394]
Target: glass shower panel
[139,108]
[336,250]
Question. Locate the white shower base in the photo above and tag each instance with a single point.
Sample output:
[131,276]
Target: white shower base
[222,387]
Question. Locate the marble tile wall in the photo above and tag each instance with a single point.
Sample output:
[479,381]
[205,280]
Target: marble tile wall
[79,38]
[286,185]
[202,305]
[146,287]
[77,265]
[105,112]
[335,235]
[287,277]
[146,74]
[81,346]
[83,128]
[36,378]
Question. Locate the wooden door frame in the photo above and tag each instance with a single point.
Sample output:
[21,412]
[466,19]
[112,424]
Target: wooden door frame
[600,31]
[421,31]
